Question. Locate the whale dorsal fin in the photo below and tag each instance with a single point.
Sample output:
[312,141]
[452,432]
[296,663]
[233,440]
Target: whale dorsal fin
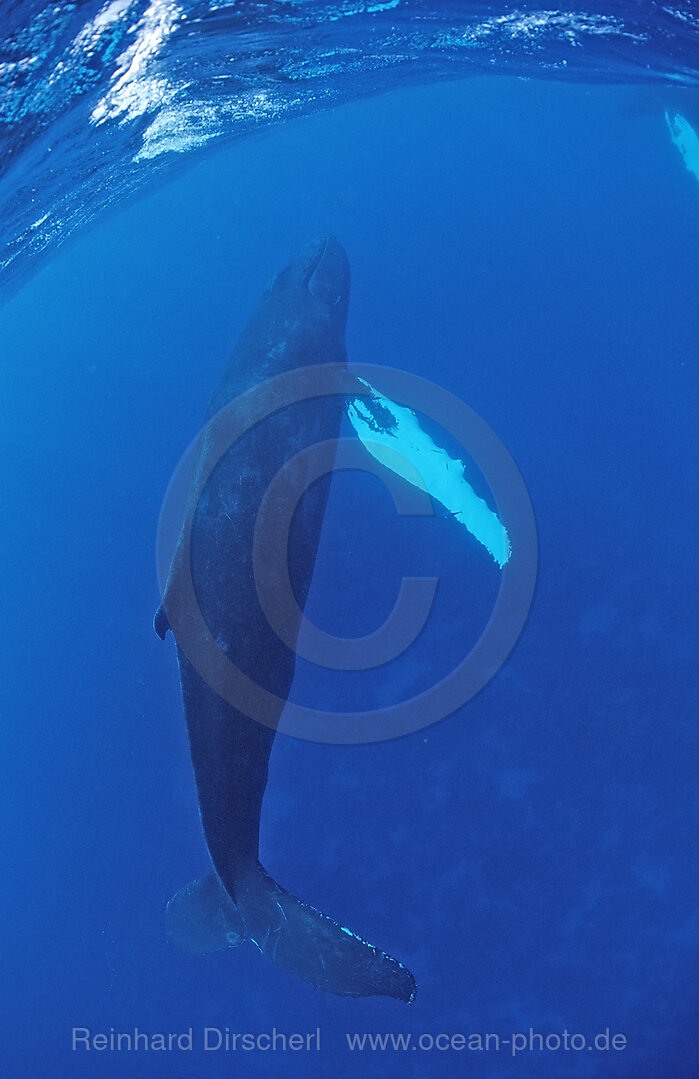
[160,622]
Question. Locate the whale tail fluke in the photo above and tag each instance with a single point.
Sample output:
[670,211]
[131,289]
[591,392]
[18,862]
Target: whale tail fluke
[202,918]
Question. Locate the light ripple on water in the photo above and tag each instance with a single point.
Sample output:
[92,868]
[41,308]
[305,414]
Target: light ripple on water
[97,98]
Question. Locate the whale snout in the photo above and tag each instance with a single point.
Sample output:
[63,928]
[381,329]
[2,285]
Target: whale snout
[320,271]
[317,283]
[329,277]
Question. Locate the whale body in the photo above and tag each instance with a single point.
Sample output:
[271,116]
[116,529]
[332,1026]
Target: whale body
[300,321]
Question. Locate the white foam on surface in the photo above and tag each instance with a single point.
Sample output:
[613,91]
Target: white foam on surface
[134,91]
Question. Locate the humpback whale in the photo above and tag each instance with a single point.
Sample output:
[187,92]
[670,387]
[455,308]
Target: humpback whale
[300,321]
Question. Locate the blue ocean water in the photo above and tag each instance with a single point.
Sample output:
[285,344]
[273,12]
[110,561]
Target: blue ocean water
[531,245]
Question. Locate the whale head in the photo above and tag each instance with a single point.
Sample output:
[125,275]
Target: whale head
[317,282]
[299,321]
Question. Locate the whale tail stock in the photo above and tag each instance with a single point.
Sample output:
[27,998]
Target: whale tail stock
[202,918]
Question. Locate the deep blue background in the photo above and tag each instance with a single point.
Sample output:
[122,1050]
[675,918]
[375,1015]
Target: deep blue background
[532,248]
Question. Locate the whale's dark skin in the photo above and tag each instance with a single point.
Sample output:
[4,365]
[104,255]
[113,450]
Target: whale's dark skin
[300,321]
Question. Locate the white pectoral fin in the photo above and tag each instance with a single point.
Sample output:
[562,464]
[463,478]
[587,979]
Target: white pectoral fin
[685,139]
[393,435]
